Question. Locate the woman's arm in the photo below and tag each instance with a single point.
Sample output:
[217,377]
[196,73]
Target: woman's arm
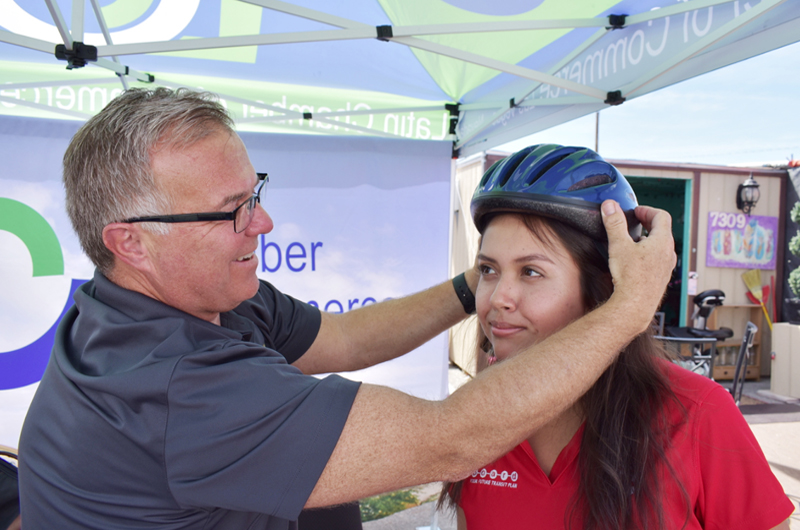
[783,526]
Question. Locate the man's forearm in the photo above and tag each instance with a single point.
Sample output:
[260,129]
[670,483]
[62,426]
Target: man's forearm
[411,441]
[380,332]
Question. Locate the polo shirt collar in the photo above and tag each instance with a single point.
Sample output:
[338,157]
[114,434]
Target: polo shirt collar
[140,307]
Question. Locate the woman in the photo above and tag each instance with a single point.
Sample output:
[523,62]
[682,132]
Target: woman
[650,445]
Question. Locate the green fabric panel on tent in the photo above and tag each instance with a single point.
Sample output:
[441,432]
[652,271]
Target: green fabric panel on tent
[455,77]
[90,98]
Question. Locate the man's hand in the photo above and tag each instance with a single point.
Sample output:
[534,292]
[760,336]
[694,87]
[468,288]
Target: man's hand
[641,270]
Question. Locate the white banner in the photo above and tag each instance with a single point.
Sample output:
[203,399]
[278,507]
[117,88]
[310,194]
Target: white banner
[357,221]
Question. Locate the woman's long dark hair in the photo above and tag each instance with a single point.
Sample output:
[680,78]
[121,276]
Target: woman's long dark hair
[626,429]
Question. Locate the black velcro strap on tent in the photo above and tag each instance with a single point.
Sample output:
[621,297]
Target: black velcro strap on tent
[616,21]
[384,33]
[614,98]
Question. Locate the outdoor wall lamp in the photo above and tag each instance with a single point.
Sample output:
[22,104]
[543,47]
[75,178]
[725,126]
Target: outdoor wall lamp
[747,195]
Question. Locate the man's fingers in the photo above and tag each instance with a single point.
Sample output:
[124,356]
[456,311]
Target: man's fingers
[653,219]
[614,221]
[640,270]
[645,214]
[658,224]
[617,230]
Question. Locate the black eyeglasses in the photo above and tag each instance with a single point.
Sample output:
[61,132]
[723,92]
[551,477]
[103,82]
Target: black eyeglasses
[241,216]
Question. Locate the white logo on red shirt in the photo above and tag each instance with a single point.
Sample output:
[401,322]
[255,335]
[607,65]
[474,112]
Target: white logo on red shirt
[480,478]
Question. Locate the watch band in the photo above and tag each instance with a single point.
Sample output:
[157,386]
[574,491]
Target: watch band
[464,293]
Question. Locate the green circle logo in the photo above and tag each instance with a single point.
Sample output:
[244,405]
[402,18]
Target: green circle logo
[37,234]
[26,365]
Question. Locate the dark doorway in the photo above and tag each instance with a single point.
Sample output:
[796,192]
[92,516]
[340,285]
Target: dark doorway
[669,195]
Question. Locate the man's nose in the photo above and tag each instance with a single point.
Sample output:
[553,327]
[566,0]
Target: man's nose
[261,223]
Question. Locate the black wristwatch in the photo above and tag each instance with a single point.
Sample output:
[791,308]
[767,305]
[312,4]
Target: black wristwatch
[464,293]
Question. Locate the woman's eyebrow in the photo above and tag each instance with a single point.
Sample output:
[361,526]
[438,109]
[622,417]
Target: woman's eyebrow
[521,259]
[534,257]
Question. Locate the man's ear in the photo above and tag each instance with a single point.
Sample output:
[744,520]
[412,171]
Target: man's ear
[126,242]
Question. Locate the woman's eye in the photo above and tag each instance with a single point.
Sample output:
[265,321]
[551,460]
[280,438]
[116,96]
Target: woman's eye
[485,269]
[527,271]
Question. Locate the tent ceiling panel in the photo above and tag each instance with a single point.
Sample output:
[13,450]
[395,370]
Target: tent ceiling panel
[635,60]
[457,77]
[474,71]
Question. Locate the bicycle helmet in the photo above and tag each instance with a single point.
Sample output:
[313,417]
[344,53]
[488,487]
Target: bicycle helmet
[564,183]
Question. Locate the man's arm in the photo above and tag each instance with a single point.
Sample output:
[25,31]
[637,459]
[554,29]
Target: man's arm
[380,332]
[393,440]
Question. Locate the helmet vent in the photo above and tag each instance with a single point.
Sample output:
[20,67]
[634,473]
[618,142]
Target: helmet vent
[544,168]
[509,171]
[594,180]
[488,174]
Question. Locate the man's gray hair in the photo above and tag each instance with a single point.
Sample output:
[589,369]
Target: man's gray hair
[107,170]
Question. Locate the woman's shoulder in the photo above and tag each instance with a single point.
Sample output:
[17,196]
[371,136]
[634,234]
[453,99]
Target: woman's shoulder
[691,389]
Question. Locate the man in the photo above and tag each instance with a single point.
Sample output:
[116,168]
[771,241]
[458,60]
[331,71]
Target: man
[177,395]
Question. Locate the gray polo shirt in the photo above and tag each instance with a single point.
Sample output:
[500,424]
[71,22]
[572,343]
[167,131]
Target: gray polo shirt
[148,417]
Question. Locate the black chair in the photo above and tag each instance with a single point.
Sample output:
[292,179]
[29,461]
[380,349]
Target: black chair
[703,340]
[706,302]
[700,360]
[745,352]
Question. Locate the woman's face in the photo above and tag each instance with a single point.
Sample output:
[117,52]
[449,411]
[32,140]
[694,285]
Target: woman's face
[528,290]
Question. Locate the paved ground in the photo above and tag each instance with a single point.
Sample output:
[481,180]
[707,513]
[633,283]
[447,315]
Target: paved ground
[776,425]
[417,518]
[780,444]
[775,421]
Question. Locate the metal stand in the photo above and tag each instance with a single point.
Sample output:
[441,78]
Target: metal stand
[700,361]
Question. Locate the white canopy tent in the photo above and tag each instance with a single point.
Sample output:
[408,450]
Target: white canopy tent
[476,72]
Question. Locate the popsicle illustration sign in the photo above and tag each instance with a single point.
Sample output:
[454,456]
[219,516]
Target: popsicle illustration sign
[740,241]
